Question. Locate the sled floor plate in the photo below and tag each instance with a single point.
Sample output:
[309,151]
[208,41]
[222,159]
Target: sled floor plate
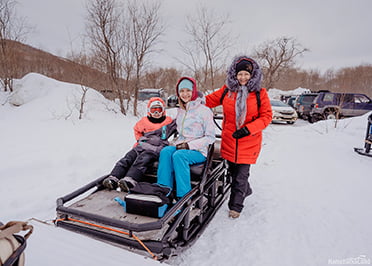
[102,203]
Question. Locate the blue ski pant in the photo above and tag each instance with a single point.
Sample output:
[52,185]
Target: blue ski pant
[174,168]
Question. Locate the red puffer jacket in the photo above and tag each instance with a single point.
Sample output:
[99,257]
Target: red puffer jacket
[246,149]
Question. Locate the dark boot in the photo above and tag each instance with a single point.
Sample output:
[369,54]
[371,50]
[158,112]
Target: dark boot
[110,182]
[127,183]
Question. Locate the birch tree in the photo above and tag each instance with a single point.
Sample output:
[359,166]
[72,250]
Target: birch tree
[104,30]
[144,29]
[122,38]
[207,46]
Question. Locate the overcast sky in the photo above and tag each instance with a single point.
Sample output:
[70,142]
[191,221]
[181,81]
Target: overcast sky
[338,33]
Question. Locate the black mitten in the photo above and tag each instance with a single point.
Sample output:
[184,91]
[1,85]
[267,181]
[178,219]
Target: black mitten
[241,133]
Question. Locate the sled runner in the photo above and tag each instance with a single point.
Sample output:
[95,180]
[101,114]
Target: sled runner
[99,213]
[368,140]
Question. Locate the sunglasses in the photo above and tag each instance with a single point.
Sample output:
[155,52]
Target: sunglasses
[156,110]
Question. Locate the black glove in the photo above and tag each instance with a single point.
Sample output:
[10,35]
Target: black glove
[182,146]
[241,133]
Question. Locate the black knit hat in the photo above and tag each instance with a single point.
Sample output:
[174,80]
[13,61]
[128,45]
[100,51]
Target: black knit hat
[244,65]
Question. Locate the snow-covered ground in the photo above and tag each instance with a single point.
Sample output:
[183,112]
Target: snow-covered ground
[310,206]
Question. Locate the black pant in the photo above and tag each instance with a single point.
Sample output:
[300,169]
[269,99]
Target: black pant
[134,164]
[240,187]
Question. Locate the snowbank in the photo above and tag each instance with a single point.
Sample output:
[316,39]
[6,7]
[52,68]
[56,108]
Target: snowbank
[275,93]
[310,206]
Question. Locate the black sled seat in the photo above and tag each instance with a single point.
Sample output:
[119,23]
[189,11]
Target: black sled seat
[92,210]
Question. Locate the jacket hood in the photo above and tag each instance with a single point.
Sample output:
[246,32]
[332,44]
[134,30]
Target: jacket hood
[194,89]
[254,84]
[159,101]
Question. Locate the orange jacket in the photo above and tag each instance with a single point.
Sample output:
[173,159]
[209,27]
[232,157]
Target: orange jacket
[145,125]
[246,149]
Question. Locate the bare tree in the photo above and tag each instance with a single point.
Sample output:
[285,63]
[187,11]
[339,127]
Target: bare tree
[122,39]
[104,29]
[295,77]
[12,28]
[165,78]
[277,56]
[143,31]
[82,77]
[208,44]
[84,91]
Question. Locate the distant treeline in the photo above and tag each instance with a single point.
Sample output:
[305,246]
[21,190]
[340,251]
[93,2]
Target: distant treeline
[26,59]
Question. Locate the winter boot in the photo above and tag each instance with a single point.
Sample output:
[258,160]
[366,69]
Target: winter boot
[234,214]
[127,183]
[110,182]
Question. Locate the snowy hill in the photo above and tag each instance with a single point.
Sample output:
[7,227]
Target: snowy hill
[311,192]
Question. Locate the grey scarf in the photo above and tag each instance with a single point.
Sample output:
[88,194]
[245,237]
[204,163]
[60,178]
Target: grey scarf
[240,105]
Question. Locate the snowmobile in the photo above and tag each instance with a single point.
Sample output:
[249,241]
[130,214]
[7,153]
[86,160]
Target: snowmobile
[367,141]
[96,212]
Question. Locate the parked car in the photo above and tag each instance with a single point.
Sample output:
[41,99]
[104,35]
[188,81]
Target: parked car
[282,112]
[292,101]
[303,105]
[172,101]
[334,105]
[146,94]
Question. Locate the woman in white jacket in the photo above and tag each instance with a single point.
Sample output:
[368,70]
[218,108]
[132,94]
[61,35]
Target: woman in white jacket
[195,133]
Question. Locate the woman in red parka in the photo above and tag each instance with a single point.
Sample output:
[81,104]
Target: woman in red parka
[246,112]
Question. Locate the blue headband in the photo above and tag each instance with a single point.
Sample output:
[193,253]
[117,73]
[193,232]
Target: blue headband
[185,84]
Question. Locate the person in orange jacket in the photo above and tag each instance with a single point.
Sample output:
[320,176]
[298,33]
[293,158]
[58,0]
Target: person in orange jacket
[151,133]
[246,112]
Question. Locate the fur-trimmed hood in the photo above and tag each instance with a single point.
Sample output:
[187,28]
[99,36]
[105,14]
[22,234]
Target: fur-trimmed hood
[254,84]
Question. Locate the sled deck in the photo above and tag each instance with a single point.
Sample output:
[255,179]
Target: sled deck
[92,210]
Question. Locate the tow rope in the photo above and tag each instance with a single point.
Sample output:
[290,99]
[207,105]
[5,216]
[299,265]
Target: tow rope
[114,230]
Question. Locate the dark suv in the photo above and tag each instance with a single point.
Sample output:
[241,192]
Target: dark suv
[303,104]
[331,105]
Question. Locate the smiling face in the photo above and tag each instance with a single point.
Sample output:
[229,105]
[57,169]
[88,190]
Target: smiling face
[243,77]
[185,95]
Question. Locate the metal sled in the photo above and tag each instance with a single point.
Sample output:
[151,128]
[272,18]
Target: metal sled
[91,210]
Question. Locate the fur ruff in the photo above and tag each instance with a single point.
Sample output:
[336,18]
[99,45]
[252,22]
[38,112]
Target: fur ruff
[254,84]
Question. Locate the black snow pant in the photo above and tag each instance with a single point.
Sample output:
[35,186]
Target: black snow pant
[134,164]
[240,187]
